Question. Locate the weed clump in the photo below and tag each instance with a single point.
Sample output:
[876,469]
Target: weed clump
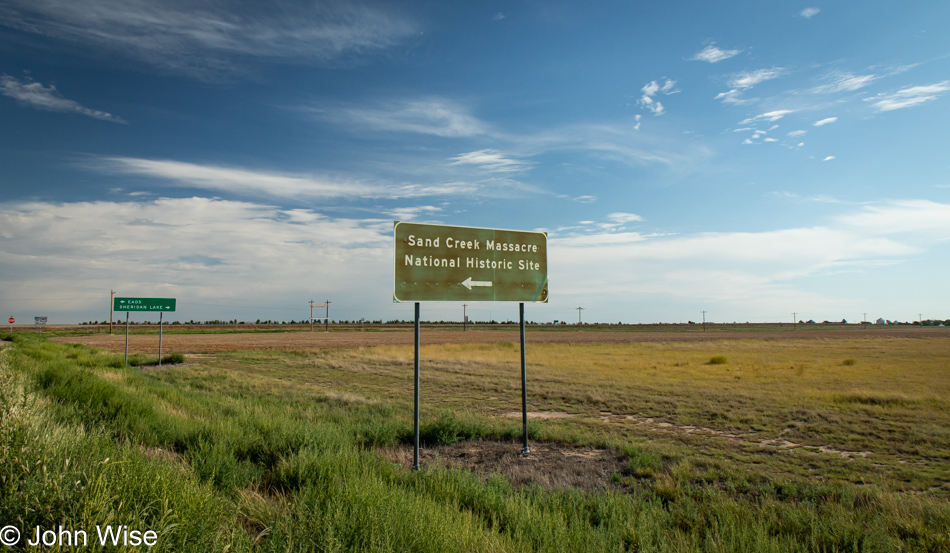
[644,463]
[717,360]
[142,361]
[848,362]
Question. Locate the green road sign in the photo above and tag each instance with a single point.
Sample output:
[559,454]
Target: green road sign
[446,263]
[143,304]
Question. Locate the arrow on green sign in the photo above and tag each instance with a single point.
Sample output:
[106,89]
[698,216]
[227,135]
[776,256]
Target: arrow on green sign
[468,283]
[144,304]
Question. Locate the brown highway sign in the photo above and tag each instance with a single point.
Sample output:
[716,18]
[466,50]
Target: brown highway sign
[449,263]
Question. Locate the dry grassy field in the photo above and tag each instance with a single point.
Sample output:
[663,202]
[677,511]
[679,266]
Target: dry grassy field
[299,339]
[785,440]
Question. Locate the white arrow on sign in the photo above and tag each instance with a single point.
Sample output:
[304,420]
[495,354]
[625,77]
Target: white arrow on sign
[468,283]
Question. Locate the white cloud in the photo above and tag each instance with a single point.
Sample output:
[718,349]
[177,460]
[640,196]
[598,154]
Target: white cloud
[771,140]
[733,96]
[771,116]
[204,37]
[237,180]
[491,160]
[650,90]
[740,82]
[909,97]
[712,54]
[793,134]
[586,199]
[808,13]
[925,217]
[637,126]
[498,16]
[845,82]
[37,96]
[748,79]
[226,256]
[829,158]
[748,271]
[624,217]
[433,116]
[411,213]
[825,121]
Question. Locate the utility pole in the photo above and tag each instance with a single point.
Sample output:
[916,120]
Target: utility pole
[794,320]
[704,320]
[579,309]
[921,317]
[311,315]
[464,317]
[326,327]
[111,304]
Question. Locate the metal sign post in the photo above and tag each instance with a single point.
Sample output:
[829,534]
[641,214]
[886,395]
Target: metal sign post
[160,326]
[525,450]
[448,263]
[145,304]
[415,417]
[126,337]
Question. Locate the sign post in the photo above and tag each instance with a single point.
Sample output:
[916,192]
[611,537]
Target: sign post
[449,263]
[11,320]
[144,304]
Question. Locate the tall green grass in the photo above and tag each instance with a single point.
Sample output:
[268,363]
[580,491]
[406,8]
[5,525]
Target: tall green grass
[216,459]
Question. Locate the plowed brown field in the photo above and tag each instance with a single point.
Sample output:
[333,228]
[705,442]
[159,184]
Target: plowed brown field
[345,339]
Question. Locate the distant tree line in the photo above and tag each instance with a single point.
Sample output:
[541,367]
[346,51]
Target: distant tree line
[217,322]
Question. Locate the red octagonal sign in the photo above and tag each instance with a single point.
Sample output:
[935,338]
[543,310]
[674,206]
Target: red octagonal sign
[11,320]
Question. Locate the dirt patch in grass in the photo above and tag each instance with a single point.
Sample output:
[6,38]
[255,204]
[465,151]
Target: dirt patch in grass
[539,415]
[550,465]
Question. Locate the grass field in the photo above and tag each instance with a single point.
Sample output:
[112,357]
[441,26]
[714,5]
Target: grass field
[739,445]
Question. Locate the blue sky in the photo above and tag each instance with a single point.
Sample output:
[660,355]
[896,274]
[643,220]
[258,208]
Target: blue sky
[750,159]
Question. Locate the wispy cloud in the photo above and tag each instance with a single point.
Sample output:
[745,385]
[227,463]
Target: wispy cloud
[829,158]
[491,160]
[902,217]
[47,98]
[433,116]
[624,217]
[712,54]
[793,134]
[746,268]
[740,82]
[205,37]
[808,13]
[411,213]
[769,116]
[909,97]
[845,82]
[748,79]
[236,180]
[825,121]
[650,90]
